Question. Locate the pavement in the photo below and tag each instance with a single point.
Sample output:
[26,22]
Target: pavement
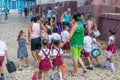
[8,33]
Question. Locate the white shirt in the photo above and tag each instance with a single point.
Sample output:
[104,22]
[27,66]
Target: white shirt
[64,35]
[3,48]
[110,39]
[46,52]
[56,36]
[55,52]
[50,38]
[87,44]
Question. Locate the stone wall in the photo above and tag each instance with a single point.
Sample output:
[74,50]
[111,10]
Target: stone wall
[108,21]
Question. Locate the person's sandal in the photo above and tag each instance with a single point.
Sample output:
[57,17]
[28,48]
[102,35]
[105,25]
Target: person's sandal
[27,66]
[20,69]
[84,71]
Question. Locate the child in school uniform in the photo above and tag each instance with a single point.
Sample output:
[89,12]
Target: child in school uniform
[50,38]
[95,46]
[110,50]
[3,55]
[64,35]
[55,35]
[87,48]
[22,49]
[58,60]
[45,56]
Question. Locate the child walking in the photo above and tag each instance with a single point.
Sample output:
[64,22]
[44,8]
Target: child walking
[58,61]
[95,46]
[64,35]
[50,38]
[45,55]
[87,48]
[22,50]
[55,35]
[110,50]
[3,54]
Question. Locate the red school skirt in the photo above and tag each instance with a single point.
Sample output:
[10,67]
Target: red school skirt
[66,46]
[57,61]
[45,65]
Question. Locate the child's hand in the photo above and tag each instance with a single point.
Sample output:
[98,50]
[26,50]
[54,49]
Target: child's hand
[103,47]
[28,43]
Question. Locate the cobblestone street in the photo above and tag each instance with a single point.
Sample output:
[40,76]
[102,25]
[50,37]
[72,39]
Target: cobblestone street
[8,33]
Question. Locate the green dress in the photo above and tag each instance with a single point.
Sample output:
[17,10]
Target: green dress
[77,39]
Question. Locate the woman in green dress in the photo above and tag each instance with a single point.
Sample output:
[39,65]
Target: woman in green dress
[76,38]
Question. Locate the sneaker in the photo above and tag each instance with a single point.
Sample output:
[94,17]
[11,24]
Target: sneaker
[90,68]
[106,67]
[98,66]
[2,78]
[51,78]
[111,69]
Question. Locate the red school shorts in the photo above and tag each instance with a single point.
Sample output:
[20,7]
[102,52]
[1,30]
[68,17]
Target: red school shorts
[1,60]
[86,54]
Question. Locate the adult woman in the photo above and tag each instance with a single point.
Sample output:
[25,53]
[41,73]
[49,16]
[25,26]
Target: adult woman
[34,37]
[65,18]
[76,38]
[83,20]
[91,24]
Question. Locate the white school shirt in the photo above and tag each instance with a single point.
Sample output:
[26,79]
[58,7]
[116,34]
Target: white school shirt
[56,36]
[64,35]
[110,39]
[87,44]
[3,48]
[55,52]
[50,38]
[41,54]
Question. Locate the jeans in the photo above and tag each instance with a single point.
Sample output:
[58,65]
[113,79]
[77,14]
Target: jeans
[6,16]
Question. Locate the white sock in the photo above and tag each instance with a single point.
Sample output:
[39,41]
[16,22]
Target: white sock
[60,75]
[107,63]
[52,74]
[112,66]
[91,65]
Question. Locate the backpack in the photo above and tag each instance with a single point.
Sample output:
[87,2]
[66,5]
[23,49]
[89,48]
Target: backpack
[44,35]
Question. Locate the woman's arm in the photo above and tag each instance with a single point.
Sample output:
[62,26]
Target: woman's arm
[89,26]
[43,27]
[29,32]
[62,16]
[95,25]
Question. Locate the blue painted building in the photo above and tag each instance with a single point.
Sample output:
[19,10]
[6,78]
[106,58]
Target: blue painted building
[16,4]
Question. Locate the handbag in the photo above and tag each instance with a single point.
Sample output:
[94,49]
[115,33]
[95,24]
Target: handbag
[107,54]
[10,66]
[44,35]
[95,53]
[96,33]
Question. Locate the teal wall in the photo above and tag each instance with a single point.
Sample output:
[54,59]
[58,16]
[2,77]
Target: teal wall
[15,4]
